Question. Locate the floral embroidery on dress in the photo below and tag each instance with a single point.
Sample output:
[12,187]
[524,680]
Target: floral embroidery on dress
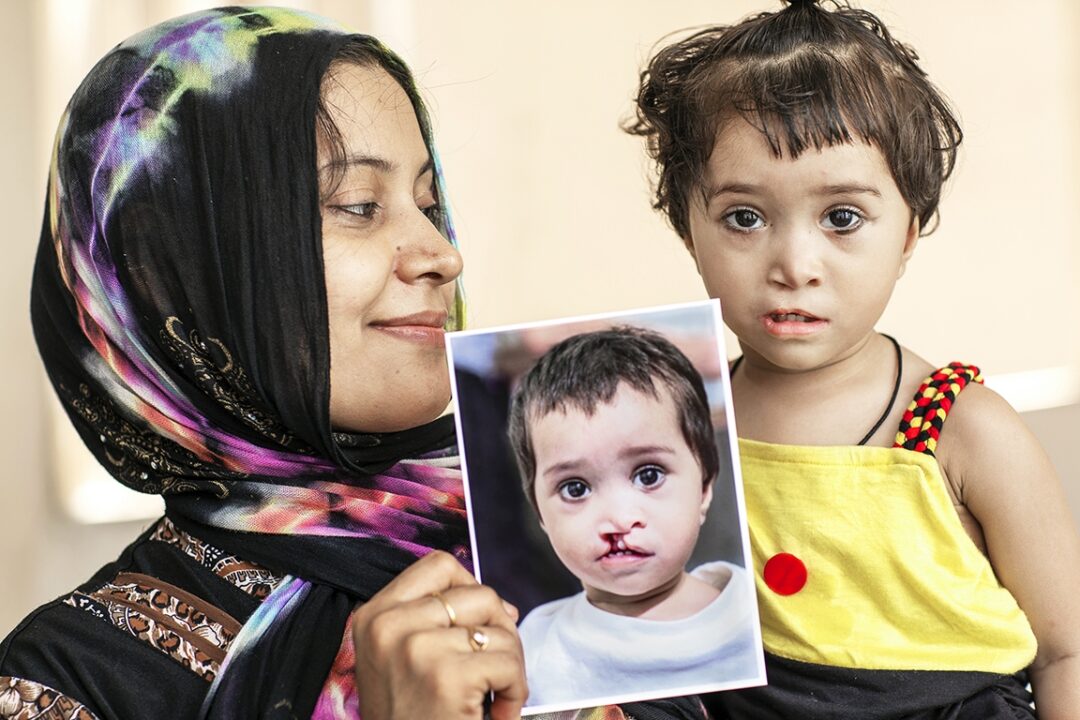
[211,364]
[142,460]
[26,700]
[253,579]
[182,626]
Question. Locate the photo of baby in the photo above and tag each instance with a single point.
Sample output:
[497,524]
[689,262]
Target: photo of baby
[629,481]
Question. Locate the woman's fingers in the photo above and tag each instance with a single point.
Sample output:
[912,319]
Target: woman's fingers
[382,631]
[435,639]
[474,605]
[461,606]
[464,666]
[435,572]
[426,648]
[449,668]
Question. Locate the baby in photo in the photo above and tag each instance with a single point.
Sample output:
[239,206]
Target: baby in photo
[612,432]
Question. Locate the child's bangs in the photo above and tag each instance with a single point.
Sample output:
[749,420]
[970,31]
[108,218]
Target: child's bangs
[810,99]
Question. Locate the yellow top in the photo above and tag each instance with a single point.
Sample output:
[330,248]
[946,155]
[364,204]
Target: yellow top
[893,580]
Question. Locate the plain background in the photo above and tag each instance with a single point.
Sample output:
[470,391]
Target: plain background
[552,201]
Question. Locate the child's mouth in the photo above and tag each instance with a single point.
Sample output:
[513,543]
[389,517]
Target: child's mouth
[790,321]
[620,550]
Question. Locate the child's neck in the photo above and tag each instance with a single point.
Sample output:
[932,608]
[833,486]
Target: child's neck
[680,598]
[832,404]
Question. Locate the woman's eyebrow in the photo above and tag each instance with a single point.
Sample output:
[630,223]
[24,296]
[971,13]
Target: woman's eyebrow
[373,161]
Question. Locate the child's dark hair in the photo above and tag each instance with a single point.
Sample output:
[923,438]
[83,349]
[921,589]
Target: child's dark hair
[586,370]
[805,77]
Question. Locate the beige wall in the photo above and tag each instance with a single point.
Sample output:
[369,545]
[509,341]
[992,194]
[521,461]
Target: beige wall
[552,203]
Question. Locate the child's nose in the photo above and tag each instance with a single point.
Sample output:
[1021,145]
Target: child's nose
[796,258]
[621,515]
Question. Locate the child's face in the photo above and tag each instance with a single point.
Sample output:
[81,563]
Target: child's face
[619,493]
[803,253]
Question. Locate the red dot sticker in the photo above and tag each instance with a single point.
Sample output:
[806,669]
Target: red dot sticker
[785,574]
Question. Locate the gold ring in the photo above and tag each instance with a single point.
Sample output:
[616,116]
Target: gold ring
[478,639]
[447,607]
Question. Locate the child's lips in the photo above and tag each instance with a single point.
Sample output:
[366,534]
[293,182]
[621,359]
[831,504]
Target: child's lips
[623,552]
[786,322]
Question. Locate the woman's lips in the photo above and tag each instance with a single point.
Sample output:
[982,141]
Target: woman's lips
[426,328]
[789,322]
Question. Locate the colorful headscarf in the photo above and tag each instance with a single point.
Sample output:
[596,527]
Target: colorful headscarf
[179,304]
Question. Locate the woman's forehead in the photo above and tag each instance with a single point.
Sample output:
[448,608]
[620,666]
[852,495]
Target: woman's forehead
[375,120]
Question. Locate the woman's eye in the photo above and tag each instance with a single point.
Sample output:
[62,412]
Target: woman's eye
[361,210]
[743,220]
[843,219]
[573,490]
[434,213]
[649,477]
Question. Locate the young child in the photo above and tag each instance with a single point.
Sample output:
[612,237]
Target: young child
[912,560]
[612,433]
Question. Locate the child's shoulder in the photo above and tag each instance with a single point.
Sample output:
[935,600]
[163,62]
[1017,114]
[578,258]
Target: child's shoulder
[984,443]
[974,416]
[542,616]
[983,433]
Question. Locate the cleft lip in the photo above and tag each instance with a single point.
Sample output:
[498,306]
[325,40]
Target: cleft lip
[618,547]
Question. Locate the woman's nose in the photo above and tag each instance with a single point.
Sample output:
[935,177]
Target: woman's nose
[424,255]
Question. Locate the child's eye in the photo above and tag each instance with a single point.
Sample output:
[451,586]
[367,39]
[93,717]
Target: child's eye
[843,219]
[743,220]
[649,477]
[573,490]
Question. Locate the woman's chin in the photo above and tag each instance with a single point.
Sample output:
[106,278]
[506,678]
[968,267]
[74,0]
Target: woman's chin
[389,419]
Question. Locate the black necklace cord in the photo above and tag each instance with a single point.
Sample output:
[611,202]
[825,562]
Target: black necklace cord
[892,400]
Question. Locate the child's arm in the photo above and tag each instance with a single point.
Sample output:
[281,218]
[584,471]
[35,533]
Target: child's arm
[1003,476]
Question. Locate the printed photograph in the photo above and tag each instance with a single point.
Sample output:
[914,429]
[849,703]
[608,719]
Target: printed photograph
[602,481]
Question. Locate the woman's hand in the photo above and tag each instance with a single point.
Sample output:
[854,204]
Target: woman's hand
[414,660]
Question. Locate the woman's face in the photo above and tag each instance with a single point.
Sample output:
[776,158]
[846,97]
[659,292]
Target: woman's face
[389,272]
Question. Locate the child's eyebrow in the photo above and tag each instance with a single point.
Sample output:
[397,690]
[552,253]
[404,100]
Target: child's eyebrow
[632,451]
[561,467]
[849,189]
[639,450]
[712,192]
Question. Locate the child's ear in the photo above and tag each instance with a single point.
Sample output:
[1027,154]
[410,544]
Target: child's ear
[689,243]
[910,241]
[706,501]
[539,518]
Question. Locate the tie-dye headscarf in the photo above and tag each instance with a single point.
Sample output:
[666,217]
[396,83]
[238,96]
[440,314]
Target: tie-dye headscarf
[179,304]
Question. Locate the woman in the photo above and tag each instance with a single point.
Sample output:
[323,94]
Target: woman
[243,279]
[244,274]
